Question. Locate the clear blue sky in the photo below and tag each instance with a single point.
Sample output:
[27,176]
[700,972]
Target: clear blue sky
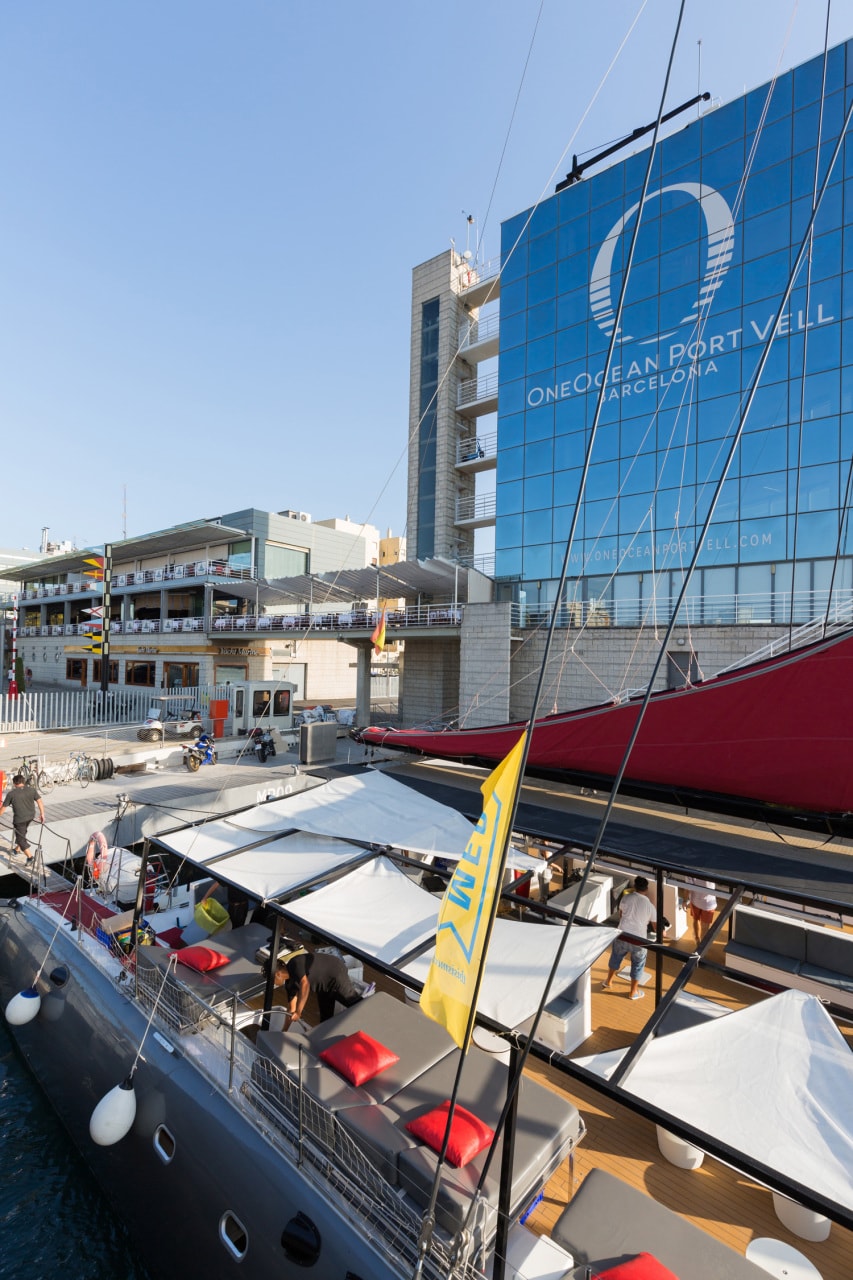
[209,212]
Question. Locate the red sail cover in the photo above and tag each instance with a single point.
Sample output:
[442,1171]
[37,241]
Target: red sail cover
[779,732]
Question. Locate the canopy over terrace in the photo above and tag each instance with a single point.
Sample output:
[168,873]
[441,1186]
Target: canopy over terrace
[258,851]
[774,1082]
[410,580]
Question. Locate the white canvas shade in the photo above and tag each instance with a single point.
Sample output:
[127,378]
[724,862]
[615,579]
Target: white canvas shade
[376,908]
[773,1081]
[520,958]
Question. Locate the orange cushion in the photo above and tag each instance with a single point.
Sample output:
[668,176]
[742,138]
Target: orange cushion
[468,1135]
[202,959]
[643,1267]
[358,1058]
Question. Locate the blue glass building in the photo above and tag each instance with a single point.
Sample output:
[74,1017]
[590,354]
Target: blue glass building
[729,201]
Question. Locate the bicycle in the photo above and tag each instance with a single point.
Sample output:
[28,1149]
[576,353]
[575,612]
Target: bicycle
[80,768]
[33,775]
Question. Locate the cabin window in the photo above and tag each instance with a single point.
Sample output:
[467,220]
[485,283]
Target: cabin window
[301,1241]
[164,1144]
[281,702]
[233,1235]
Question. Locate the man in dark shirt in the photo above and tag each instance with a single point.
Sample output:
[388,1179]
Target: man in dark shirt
[22,800]
[324,974]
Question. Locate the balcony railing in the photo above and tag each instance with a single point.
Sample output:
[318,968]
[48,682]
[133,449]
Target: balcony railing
[471,274]
[753,609]
[473,332]
[475,389]
[141,577]
[477,448]
[480,510]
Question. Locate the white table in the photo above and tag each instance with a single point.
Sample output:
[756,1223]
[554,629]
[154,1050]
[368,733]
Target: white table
[780,1259]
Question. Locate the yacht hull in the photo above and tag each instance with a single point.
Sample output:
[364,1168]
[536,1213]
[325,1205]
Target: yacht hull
[82,1043]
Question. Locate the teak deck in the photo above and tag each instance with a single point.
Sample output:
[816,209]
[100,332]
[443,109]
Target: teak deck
[714,1197]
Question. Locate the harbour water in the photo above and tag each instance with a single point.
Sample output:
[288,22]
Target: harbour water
[53,1219]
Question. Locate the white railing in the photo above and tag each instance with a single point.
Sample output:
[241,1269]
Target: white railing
[142,577]
[472,332]
[753,609]
[471,274]
[474,389]
[87,708]
[475,508]
[473,448]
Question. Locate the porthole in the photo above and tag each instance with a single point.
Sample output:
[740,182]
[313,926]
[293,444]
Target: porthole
[59,976]
[301,1241]
[233,1235]
[164,1144]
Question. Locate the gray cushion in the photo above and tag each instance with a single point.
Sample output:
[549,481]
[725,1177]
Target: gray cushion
[828,949]
[418,1041]
[377,1133]
[609,1222]
[283,1047]
[772,959]
[547,1126]
[769,933]
[840,981]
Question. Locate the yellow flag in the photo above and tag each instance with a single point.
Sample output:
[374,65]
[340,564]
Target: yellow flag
[466,909]
[378,636]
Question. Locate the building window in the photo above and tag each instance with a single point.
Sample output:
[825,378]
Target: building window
[75,669]
[426,432]
[240,554]
[181,675]
[284,562]
[140,673]
[112,674]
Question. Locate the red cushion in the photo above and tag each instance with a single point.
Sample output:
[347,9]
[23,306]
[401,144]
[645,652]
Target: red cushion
[643,1267]
[468,1135]
[358,1058]
[202,959]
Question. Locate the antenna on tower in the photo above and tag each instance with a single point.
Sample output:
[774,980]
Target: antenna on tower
[469,222]
[124,511]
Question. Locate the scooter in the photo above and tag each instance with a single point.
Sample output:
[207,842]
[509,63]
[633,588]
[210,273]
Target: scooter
[202,751]
[263,743]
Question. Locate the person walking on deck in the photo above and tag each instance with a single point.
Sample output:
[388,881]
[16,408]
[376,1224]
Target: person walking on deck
[22,799]
[636,913]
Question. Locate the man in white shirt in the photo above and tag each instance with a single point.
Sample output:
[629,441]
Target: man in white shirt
[636,913]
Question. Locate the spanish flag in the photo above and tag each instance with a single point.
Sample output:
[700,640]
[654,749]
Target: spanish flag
[378,636]
[467,906]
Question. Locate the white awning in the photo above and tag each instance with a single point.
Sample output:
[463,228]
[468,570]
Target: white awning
[283,864]
[369,807]
[377,909]
[373,808]
[520,958]
[774,1081]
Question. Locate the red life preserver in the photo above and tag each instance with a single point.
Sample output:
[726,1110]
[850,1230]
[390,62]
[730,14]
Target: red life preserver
[96,852]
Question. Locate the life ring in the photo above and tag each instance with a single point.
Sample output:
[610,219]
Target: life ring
[96,853]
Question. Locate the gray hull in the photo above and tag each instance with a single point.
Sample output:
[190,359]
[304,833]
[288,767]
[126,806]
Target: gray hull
[82,1043]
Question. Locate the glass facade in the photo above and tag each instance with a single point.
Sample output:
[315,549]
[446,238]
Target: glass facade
[427,434]
[728,203]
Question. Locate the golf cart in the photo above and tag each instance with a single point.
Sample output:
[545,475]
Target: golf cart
[171,716]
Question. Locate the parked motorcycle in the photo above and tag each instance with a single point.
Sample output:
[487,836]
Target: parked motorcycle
[263,743]
[202,751]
